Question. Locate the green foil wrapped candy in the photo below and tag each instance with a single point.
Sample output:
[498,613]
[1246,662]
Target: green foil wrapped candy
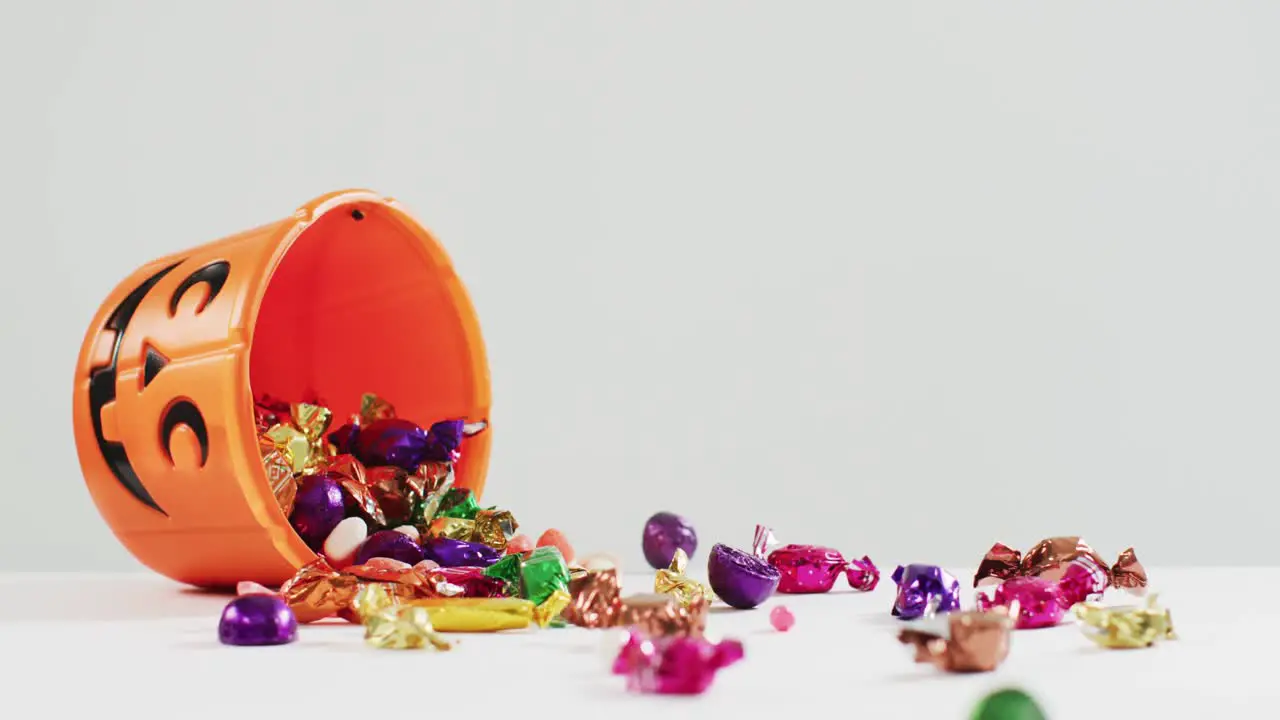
[508,570]
[459,503]
[1007,704]
[544,572]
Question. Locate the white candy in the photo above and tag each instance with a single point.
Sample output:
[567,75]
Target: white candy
[600,561]
[341,545]
[409,530]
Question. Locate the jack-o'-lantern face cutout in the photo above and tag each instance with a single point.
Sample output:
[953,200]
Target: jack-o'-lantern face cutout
[347,295]
[110,396]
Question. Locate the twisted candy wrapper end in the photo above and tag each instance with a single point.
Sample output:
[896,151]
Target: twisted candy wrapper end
[1129,574]
[862,574]
[999,564]
[763,542]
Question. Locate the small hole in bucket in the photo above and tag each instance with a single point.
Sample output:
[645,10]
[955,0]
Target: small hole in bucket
[357,215]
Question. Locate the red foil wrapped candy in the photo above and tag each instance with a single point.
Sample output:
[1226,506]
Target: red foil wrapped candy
[814,569]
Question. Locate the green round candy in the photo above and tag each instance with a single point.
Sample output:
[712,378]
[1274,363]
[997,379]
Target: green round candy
[1008,704]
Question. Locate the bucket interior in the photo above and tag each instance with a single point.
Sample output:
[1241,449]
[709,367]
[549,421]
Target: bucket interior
[360,303]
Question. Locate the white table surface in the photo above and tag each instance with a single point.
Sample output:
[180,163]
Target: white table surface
[92,643]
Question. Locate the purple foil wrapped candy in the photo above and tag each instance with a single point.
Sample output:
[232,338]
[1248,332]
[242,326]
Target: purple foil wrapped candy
[920,586]
[391,544]
[743,580]
[448,552]
[317,509]
[443,440]
[344,438]
[257,620]
[665,532]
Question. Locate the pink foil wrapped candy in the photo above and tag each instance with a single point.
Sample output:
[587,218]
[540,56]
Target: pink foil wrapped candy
[813,569]
[1039,602]
[680,665]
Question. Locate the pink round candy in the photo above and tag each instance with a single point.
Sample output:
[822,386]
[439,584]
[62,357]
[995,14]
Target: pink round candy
[1040,602]
[781,619]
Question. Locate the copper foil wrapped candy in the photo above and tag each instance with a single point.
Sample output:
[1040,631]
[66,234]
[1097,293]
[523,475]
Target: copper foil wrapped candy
[960,641]
[743,580]
[1081,572]
[663,615]
[596,602]
[814,569]
[596,599]
[674,665]
[922,588]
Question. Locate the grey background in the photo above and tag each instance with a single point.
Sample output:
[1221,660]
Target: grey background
[904,278]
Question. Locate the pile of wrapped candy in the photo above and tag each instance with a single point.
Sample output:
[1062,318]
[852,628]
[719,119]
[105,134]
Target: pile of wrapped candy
[411,558]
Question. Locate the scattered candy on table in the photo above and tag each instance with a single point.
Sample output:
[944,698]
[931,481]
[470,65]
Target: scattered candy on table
[664,533]
[921,587]
[685,665]
[971,641]
[1007,704]
[740,579]
[257,619]
[781,619]
[410,557]
[1125,626]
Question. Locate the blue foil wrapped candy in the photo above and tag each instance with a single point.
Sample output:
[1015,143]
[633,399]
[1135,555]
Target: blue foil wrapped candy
[922,586]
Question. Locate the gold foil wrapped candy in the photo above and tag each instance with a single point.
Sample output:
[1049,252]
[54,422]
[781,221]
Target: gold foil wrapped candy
[1125,626]
[672,581]
[403,627]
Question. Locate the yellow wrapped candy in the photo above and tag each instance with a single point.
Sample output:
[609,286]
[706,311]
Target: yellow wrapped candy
[1124,626]
[672,581]
[403,627]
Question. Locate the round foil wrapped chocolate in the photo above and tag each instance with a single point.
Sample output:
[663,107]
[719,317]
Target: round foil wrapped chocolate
[318,507]
[807,568]
[257,620]
[457,553]
[389,544]
[741,580]
[665,532]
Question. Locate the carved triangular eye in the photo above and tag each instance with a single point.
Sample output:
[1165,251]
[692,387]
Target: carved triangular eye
[153,363]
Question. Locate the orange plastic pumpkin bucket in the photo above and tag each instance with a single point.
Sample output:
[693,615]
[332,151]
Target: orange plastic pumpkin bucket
[348,295]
